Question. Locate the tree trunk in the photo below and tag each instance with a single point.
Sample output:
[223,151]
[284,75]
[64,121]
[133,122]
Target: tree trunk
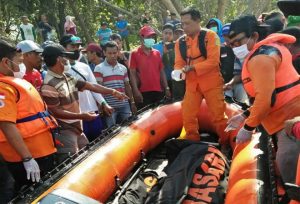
[169,5]
[80,21]
[221,9]
[61,17]
[120,10]
[178,5]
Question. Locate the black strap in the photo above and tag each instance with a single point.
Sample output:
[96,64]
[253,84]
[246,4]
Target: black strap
[277,91]
[283,88]
[78,73]
[202,43]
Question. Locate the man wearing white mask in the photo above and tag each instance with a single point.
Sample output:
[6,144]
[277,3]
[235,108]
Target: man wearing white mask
[273,86]
[26,142]
[147,75]
[60,92]
[88,100]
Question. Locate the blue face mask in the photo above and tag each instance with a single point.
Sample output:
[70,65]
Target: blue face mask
[215,29]
[149,42]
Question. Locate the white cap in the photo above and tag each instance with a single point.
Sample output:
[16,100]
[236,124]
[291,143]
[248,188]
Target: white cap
[29,46]
[178,75]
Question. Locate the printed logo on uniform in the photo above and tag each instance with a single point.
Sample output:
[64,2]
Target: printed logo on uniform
[2,96]
[218,42]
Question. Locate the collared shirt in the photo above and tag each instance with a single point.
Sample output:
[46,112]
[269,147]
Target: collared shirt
[112,77]
[61,91]
[148,68]
[87,99]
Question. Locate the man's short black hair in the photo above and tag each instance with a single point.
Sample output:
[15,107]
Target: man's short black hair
[7,50]
[116,36]
[110,44]
[195,13]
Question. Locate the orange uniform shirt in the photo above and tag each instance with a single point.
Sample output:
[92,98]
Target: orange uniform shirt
[207,71]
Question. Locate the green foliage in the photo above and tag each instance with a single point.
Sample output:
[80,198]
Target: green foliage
[93,12]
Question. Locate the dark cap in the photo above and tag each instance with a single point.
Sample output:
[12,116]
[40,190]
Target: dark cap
[56,50]
[93,47]
[6,49]
[168,26]
[178,26]
[103,24]
[172,14]
[289,7]
[294,31]
[247,24]
[70,39]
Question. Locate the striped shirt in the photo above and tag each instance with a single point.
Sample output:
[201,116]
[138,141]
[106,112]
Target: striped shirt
[61,91]
[112,77]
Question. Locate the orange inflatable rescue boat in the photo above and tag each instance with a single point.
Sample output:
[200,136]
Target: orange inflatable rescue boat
[99,169]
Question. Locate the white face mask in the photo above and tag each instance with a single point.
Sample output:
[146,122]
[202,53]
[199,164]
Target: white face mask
[67,66]
[178,75]
[20,74]
[242,51]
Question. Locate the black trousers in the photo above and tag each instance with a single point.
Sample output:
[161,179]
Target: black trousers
[6,183]
[150,98]
[18,171]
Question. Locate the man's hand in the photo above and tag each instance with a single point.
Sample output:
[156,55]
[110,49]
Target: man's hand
[235,122]
[167,93]
[138,97]
[107,109]
[227,87]
[243,135]
[89,116]
[32,169]
[188,68]
[119,95]
[133,108]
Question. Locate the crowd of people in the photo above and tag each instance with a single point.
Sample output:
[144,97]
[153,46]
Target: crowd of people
[57,97]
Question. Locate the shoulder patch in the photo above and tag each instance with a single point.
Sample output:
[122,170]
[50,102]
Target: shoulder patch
[266,50]
[2,104]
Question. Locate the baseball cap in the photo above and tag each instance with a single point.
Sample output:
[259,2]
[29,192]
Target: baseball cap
[247,24]
[70,39]
[6,49]
[168,26]
[226,29]
[147,31]
[178,26]
[294,31]
[56,50]
[93,47]
[29,46]
[289,7]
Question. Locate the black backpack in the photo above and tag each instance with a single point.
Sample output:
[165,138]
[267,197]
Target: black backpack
[201,43]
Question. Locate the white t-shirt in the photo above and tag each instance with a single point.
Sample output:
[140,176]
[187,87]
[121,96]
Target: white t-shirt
[28,31]
[87,99]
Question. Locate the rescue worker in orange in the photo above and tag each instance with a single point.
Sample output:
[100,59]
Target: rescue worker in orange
[26,142]
[203,78]
[273,86]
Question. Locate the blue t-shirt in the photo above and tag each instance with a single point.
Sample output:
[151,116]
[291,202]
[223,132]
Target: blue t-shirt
[105,34]
[121,25]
